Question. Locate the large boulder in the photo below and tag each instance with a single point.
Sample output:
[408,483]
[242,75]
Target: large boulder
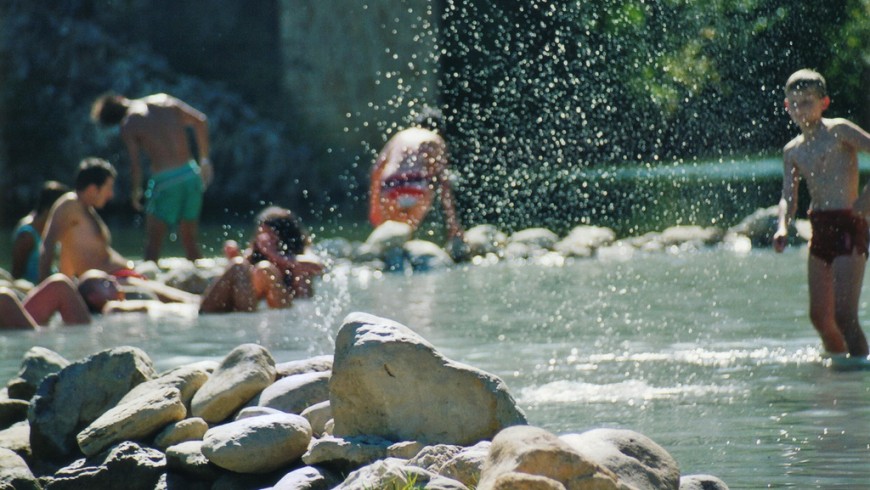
[68,401]
[133,419]
[637,459]
[243,373]
[387,381]
[37,363]
[530,457]
[257,444]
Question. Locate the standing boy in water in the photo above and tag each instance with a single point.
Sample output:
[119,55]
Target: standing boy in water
[825,156]
[157,126]
[408,171]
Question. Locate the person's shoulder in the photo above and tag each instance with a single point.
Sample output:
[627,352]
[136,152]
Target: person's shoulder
[840,124]
[160,99]
[793,143]
[68,203]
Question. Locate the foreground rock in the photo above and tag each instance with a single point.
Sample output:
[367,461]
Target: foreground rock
[257,444]
[38,363]
[529,457]
[389,382]
[387,410]
[70,400]
[638,460]
[241,376]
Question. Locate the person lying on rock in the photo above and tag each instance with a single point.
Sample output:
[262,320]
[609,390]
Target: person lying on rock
[275,267]
[56,294]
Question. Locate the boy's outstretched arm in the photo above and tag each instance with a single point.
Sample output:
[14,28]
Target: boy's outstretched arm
[852,134]
[787,203]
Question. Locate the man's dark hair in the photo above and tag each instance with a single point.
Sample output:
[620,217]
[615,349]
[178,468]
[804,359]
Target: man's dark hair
[94,171]
[51,190]
[109,109]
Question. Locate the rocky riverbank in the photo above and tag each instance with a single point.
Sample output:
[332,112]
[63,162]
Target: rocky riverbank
[386,410]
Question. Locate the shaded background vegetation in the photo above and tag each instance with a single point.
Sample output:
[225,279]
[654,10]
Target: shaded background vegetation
[537,94]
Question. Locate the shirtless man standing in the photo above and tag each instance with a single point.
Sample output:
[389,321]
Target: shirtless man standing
[409,170]
[85,241]
[75,224]
[157,125]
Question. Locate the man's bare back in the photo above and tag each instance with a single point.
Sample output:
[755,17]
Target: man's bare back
[156,125]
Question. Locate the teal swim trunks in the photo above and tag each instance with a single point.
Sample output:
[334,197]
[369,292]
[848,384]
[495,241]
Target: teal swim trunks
[175,195]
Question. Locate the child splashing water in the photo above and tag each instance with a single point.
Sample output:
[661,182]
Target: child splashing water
[825,156]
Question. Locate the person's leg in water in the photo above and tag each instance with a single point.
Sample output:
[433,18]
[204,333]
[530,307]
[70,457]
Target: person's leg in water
[188,230]
[848,277]
[56,294]
[156,230]
[821,284]
[232,291]
[12,312]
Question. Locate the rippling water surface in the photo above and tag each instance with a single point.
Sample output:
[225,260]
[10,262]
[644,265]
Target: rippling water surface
[709,353]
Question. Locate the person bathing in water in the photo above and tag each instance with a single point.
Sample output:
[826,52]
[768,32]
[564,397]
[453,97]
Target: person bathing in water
[27,236]
[275,267]
[825,156]
[85,241]
[157,125]
[408,172]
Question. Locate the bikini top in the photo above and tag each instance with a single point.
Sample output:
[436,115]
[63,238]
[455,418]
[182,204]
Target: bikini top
[31,271]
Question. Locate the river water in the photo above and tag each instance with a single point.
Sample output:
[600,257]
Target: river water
[709,353]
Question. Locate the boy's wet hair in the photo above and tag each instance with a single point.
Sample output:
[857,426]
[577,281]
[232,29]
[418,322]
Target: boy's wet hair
[108,109]
[430,118]
[51,190]
[292,237]
[807,79]
[94,171]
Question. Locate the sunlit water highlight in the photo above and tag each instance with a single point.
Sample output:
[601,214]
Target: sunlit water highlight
[709,353]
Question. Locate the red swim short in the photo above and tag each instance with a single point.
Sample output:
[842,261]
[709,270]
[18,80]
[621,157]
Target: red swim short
[837,232]
[124,273]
